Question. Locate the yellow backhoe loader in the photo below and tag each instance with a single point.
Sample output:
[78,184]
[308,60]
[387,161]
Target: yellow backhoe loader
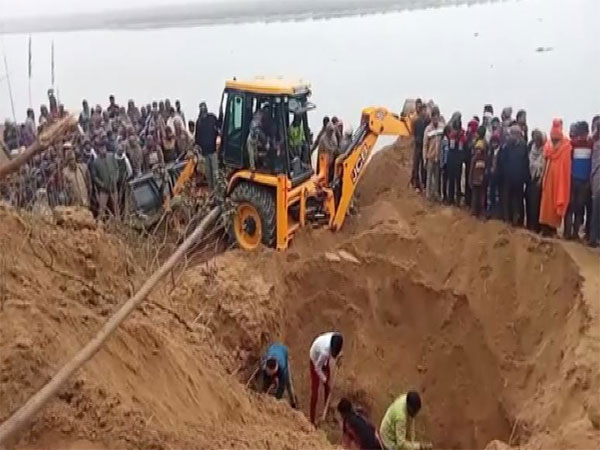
[265,151]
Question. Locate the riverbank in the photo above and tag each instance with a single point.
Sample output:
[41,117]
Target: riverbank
[189,14]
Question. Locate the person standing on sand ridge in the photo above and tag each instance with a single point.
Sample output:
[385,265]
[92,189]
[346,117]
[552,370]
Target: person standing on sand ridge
[105,172]
[581,193]
[431,147]
[556,184]
[533,193]
[514,173]
[419,125]
[207,133]
[477,173]
[594,236]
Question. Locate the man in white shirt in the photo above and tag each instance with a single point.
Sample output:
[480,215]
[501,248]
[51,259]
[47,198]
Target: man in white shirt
[324,350]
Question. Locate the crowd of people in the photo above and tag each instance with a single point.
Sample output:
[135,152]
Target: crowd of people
[494,165]
[498,169]
[92,166]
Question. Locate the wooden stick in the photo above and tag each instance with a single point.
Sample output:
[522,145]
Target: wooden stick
[253,376]
[328,399]
[271,387]
[55,131]
[20,418]
[293,392]
[514,429]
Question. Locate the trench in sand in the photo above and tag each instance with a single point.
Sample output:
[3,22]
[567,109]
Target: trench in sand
[482,319]
[485,321]
[403,334]
[480,342]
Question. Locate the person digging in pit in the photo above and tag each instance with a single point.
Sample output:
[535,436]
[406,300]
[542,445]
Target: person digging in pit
[325,350]
[276,373]
[357,431]
[397,429]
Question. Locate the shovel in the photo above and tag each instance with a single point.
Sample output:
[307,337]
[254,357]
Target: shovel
[331,386]
[252,377]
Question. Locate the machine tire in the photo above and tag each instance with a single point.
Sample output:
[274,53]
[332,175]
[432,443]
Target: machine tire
[255,212]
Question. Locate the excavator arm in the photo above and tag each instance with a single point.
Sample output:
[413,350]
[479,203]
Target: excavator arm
[350,166]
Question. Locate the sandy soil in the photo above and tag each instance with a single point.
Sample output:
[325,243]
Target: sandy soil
[160,382]
[496,327]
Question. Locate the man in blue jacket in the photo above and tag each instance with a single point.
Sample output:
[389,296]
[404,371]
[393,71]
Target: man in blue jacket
[276,372]
[515,175]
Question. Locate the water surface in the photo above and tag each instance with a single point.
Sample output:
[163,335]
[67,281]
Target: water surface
[461,56]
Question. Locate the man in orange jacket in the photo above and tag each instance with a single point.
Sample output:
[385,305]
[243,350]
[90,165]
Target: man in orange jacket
[556,185]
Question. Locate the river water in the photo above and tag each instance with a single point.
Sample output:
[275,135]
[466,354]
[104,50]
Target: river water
[461,56]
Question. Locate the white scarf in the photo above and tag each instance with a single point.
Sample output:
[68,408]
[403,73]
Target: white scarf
[127,163]
[536,162]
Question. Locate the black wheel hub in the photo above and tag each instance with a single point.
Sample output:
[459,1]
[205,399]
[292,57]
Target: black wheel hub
[249,226]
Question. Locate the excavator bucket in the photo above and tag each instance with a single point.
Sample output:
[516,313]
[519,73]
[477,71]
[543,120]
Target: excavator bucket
[149,190]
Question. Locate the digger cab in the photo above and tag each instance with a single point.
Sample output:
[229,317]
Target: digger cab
[265,127]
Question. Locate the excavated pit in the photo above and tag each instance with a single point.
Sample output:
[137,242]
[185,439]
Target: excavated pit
[488,322]
[402,333]
[482,344]
[483,319]
[475,356]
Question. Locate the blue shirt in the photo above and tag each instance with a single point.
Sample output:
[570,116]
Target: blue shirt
[280,353]
[582,159]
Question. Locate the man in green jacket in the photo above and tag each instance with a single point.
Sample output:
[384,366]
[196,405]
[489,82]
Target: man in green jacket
[296,135]
[397,428]
[105,173]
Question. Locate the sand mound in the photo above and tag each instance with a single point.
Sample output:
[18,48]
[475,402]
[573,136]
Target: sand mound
[488,322]
[496,327]
[160,382]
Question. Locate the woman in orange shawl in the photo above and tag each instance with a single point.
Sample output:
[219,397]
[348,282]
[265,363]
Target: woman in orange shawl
[556,186]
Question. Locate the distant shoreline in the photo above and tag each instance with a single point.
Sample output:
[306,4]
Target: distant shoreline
[208,14]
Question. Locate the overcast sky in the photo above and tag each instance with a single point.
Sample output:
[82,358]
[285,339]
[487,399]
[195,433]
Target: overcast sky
[32,8]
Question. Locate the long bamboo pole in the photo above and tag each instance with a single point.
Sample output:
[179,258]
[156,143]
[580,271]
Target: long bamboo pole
[20,418]
[10,95]
[55,131]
